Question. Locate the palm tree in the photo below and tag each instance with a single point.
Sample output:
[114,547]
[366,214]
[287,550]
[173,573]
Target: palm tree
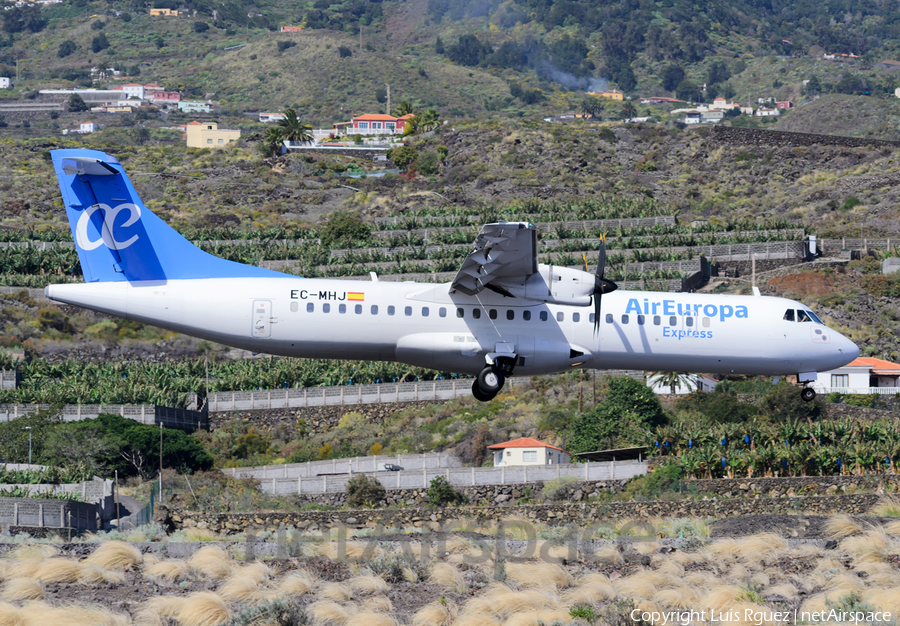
[629,111]
[404,107]
[673,380]
[293,128]
[274,138]
[591,106]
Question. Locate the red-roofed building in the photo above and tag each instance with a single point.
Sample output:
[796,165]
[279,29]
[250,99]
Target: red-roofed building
[864,375]
[527,451]
[377,124]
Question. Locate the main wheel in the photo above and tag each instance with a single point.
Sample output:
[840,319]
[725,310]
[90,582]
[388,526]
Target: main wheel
[480,395]
[490,380]
[807,394]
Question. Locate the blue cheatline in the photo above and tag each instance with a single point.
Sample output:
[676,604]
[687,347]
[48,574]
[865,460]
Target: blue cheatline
[120,239]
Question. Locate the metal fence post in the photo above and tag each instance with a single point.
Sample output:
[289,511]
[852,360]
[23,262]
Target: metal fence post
[299,486]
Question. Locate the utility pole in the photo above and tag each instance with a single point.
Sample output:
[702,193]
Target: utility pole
[360,37]
[28,428]
[388,87]
[160,460]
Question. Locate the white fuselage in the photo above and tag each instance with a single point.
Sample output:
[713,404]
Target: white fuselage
[419,324]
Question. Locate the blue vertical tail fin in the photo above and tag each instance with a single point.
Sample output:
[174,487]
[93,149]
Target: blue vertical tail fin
[120,239]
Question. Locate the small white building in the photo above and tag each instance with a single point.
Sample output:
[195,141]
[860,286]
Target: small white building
[711,117]
[767,112]
[689,383]
[864,375]
[131,90]
[4,82]
[527,451]
[83,129]
[270,117]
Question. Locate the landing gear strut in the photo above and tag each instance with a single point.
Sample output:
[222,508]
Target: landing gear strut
[807,394]
[490,380]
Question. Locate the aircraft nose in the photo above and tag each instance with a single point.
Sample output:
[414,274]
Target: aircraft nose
[846,348]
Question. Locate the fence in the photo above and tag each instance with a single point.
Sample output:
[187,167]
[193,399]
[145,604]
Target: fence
[9,380]
[881,391]
[100,493]
[145,515]
[460,477]
[835,246]
[48,513]
[432,460]
[183,419]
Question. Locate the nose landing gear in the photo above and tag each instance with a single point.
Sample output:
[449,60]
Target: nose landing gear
[491,379]
[807,394]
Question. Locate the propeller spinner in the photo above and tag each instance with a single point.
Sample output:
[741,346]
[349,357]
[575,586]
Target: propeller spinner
[601,285]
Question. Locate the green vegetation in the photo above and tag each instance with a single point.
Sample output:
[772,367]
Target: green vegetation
[442,493]
[363,491]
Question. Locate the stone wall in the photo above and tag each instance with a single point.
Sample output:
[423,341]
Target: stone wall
[316,418]
[791,486]
[580,514]
[756,136]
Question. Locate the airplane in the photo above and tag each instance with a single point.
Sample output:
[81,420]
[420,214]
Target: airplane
[504,314]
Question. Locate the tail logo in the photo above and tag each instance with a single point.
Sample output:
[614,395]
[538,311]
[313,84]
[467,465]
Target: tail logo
[107,236]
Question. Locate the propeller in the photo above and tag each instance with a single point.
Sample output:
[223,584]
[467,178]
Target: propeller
[601,285]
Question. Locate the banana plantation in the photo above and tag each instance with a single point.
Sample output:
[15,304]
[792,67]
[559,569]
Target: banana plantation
[792,448]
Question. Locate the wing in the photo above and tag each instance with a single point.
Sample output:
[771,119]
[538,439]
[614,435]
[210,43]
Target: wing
[505,252]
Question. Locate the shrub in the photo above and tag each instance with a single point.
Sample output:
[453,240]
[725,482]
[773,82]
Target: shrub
[99,43]
[345,228]
[441,493]
[284,45]
[364,491]
[201,27]
[66,48]
[557,488]
[345,52]
[427,162]
[403,156]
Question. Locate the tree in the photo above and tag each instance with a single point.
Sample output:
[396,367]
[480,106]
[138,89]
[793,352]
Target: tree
[404,107]
[201,27]
[292,128]
[688,90]
[427,162]
[99,43]
[442,493]
[673,380]
[591,106]
[141,136]
[76,104]
[402,156]
[469,51]
[629,111]
[439,46]
[159,42]
[672,76]
[345,52]
[813,86]
[66,48]
[81,444]
[381,95]
[718,73]
[273,140]
[345,228]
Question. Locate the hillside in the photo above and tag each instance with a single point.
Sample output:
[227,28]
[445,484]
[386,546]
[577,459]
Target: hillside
[853,116]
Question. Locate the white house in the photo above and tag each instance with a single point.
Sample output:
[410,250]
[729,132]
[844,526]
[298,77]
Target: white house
[527,451]
[711,117]
[4,82]
[864,375]
[689,384]
[766,112]
[693,117]
[83,129]
[270,117]
[131,90]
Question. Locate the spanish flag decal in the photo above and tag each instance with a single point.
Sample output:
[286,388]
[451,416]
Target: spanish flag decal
[356,295]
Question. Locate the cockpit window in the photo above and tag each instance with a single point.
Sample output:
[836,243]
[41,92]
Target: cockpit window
[803,316]
[789,315]
[814,317]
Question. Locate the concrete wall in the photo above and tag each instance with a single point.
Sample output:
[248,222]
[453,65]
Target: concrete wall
[891,265]
[48,513]
[98,492]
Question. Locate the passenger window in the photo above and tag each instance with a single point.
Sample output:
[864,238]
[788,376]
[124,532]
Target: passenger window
[673,321]
[609,318]
[342,308]
[624,319]
[689,321]
[641,320]
[657,320]
[358,309]
[460,312]
[705,322]
[560,316]
[442,312]
[391,310]
[310,307]
[802,316]
[407,311]
[526,315]
[374,309]
[591,318]
[326,308]
[492,314]
[543,316]
[510,314]
[294,307]
[789,315]
[576,317]
[476,313]
[425,311]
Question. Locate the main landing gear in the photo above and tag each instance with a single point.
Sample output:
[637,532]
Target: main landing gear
[490,380]
[808,394]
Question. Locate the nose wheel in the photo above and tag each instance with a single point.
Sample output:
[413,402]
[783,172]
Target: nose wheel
[807,394]
[491,379]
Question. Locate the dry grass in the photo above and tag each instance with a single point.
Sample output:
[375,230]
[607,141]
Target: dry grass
[327,613]
[297,584]
[11,615]
[58,570]
[435,614]
[538,574]
[243,588]
[368,585]
[678,597]
[893,528]
[447,576]
[874,545]
[168,571]
[888,506]
[335,592]
[211,562]
[841,526]
[21,588]
[203,609]
[382,604]
[364,618]
[41,613]
[199,535]
[115,555]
